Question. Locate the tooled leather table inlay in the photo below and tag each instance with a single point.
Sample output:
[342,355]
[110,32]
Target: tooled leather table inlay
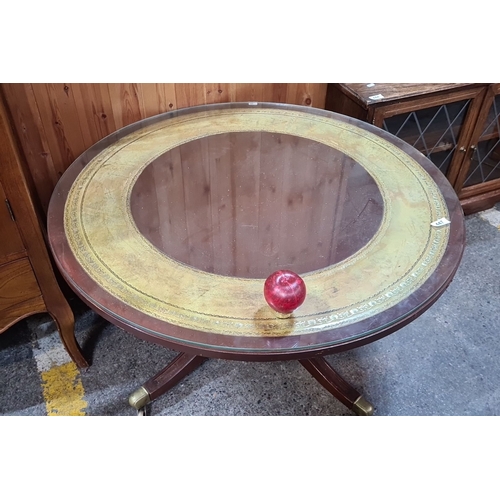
[400,257]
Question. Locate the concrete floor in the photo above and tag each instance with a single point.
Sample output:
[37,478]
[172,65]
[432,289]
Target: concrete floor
[444,363]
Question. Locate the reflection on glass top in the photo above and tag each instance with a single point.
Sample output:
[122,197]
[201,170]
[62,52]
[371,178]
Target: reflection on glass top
[248,203]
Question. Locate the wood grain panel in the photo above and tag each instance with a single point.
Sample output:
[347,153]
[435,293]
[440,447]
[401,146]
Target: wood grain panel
[143,194]
[24,110]
[307,94]
[169,182]
[18,290]
[245,166]
[479,202]
[190,94]
[275,92]
[394,91]
[126,103]
[217,92]
[48,121]
[12,245]
[244,92]
[15,313]
[195,165]
[57,122]
[28,285]
[60,120]
[343,103]
[94,111]
[271,201]
[223,205]
[158,98]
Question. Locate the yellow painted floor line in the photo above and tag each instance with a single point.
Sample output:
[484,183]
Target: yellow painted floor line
[61,382]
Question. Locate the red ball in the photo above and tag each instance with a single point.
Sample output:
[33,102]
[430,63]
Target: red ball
[284,291]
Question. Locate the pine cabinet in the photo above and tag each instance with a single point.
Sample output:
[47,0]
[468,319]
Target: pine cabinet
[28,284]
[455,125]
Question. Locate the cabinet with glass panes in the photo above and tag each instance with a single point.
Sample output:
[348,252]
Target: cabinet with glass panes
[455,125]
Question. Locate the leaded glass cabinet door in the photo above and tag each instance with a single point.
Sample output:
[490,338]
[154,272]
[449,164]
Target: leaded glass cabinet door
[481,170]
[440,127]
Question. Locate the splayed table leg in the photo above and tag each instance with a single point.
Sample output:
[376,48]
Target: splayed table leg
[182,365]
[336,385]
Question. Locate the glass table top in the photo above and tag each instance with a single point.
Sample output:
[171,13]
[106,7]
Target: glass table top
[245,199]
[170,226]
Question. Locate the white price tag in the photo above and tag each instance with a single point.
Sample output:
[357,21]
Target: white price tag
[376,97]
[441,222]
[370,85]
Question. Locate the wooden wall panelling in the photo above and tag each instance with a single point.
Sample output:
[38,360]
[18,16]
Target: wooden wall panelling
[297,192]
[218,92]
[270,203]
[33,140]
[126,102]
[283,227]
[345,214]
[57,122]
[145,194]
[190,94]
[196,172]
[275,92]
[223,205]
[245,167]
[331,189]
[158,98]
[322,181]
[307,94]
[94,111]
[84,105]
[244,92]
[59,118]
[169,184]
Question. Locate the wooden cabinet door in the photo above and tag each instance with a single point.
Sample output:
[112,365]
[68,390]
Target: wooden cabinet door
[20,294]
[11,245]
[439,126]
[480,170]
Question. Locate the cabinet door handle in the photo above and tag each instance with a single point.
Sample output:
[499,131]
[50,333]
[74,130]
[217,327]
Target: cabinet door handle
[9,208]
[473,149]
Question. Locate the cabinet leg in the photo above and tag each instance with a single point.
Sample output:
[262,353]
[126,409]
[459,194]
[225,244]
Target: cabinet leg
[336,385]
[65,322]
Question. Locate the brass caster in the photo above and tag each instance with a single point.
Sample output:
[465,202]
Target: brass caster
[139,398]
[362,407]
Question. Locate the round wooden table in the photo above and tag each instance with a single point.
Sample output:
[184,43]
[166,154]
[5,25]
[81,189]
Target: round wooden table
[169,227]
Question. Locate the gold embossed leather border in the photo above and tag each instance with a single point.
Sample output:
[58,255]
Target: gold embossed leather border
[396,262]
